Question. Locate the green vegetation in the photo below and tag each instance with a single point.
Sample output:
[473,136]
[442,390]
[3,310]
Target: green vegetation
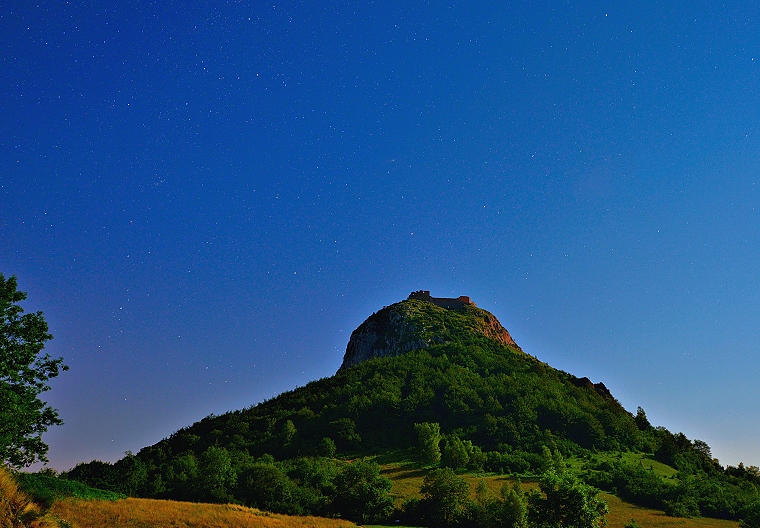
[24,373]
[564,501]
[465,402]
[45,487]
[428,443]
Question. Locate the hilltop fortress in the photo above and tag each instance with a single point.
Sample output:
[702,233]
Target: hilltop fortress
[443,302]
[413,325]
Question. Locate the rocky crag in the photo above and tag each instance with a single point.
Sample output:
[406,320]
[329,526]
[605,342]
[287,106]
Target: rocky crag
[415,324]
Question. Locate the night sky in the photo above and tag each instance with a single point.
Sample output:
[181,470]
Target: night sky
[206,198]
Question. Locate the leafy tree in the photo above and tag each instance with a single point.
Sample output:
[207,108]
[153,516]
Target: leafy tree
[24,374]
[326,447]
[751,515]
[491,512]
[456,454]
[345,431]
[445,498]
[184,473]
[484,512]
[700,446]
[133,475]
[514,511]
[428,438]
[641,420]
[266,486]
[98,474]
[217,476]
[288,432]
[564,502]
[361,494]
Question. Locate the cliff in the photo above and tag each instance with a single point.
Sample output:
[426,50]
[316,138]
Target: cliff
[415,324]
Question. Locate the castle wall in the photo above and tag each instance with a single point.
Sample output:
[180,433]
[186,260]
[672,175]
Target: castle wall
[444,302]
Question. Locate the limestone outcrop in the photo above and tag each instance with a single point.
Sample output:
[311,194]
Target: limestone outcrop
[416,324]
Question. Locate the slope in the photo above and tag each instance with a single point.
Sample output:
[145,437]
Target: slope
[461,373]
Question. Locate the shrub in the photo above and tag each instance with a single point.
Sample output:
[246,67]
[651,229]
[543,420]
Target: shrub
[16,507]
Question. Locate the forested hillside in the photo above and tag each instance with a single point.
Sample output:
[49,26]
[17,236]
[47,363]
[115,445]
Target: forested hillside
[464,401]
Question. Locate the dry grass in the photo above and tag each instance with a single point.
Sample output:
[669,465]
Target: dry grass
[621,513]
[16,507]
[149,513]
[406,480]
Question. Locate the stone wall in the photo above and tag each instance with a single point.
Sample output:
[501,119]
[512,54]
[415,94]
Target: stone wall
[444,302]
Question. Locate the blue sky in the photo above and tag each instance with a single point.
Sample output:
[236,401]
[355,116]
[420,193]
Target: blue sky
[206,198]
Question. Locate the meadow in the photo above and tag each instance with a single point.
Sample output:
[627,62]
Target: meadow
[152,513]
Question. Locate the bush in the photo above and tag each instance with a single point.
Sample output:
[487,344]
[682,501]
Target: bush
[681,507]
[17,510]
[45,489]
[751,516]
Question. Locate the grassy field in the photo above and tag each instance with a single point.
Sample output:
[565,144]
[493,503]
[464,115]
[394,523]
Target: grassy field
[630,459]
[622,512]
[149,513]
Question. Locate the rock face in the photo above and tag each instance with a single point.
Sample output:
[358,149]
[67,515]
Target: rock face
[415,324]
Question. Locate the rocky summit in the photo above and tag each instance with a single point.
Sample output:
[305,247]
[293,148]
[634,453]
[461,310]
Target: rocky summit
[419,322]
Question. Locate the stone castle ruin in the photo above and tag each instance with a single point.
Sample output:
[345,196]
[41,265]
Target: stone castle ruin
[443,302]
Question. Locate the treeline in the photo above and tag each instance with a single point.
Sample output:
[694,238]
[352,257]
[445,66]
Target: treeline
[356,491]
[301,486]
[700,487]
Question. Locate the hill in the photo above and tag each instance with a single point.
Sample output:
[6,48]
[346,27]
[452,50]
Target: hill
[469,382]
[445,373]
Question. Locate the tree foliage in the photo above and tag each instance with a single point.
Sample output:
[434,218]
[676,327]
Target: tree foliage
[428,438]
[565,502]
[361,494]
[24,375]
[445,498]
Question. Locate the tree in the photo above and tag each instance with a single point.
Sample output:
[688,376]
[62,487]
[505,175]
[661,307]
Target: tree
[751,515]
[362,494]
[564,502]
[267,487]
[326,448]
[24,374]
[217,476]
[288,432]
[428,438]
[514,512]
[456,454]
[700,446]
[445,498]
[641,420]
[133,475]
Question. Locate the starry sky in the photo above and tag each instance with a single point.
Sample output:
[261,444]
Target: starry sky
[206,198]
